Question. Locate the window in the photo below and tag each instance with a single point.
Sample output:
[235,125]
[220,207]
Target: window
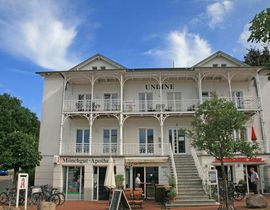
[146,102]
[215,65]
[103,67]
[174,101]
[146,140]
[84,102]
[223,65]
[109,140]
[94,67]
[207,95]
[82,141]
[241,134]
[238,99]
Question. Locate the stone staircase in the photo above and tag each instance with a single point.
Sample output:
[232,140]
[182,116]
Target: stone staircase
[190,189]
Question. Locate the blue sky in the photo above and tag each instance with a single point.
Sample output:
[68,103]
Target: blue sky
[56,35]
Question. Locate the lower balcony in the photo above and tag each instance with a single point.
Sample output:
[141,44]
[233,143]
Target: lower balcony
[103,149]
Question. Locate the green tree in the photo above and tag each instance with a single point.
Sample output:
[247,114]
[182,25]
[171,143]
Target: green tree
[260,27]
[256,57]
[213,127]
[19,130]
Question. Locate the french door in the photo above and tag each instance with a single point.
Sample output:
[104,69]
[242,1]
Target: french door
[111,101]
[84,102]
[145,102]
[238,99]
[174,101]
[82,141]
[109,141]
[146,140]
[177,140]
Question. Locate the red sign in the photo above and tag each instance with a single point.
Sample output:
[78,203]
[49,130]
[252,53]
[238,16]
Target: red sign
[240,159]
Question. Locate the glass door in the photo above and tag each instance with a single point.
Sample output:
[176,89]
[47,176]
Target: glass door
[109,141]
[84,102]
[146,140]
[73,182]
[100,192]
[82,141]
[146,102]
[110,101]
[238,99]
[177,140]
[174,101]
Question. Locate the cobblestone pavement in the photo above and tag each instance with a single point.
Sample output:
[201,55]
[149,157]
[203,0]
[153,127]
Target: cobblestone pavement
[147,205]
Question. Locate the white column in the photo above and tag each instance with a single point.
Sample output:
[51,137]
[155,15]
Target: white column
[160,93]
[230,85]
[92,92]
[90,133]
[62,117]
[265,139]
[121,133]
[161,134]
[200,87]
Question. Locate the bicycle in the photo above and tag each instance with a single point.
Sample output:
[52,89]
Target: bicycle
[9,197]
[44,194]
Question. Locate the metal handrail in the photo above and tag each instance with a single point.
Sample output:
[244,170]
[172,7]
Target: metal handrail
[174,168]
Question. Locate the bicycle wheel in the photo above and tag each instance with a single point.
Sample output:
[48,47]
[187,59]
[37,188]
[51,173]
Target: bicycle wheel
[62,198]
[36,198]
[3,198]
[55,198]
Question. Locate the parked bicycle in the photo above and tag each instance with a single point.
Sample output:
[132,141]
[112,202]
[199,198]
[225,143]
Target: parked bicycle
[239,191]
[45,193]
[9,197]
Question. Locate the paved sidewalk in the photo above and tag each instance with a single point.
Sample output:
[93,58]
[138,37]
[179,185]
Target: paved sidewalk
[147,205]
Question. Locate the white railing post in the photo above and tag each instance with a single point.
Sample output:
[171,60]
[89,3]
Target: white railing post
[174,168]
[199,168]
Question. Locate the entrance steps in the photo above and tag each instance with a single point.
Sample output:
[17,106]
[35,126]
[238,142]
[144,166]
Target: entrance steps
[190,189]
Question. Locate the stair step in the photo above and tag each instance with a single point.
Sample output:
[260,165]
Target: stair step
[199,203]
[192,197]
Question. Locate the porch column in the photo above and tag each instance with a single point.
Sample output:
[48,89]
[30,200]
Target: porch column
[161,134]
[62,116]
[121,133]
[90,133]
[230,85]
[92,91]
[261,115]
[160,93]
[200,87]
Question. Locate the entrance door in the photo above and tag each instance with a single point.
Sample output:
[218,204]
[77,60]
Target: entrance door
[100,192]
[73,182]
[177,140]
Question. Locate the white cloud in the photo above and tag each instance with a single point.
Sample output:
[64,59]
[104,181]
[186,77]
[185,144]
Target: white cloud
[182,48]
[243,39]
[217,11]
[39,31]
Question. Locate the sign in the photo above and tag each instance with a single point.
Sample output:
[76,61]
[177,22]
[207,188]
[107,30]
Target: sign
[212,177]
[22,184]
[241,160]
[157,86]
[78,160]
[119,201]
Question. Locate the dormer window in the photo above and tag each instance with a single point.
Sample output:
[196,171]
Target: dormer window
[223,65]
[94,67]
[215,65]
[103,67]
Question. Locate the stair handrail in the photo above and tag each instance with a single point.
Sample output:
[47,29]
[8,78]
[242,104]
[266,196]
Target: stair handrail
[174,168]
[199,168]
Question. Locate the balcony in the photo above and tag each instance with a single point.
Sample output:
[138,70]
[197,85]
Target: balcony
[142,106]
[103,149]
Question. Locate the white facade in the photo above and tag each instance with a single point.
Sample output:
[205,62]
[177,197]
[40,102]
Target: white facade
[100,109]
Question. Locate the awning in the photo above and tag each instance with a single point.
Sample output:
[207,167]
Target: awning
[254,160]
[146,160]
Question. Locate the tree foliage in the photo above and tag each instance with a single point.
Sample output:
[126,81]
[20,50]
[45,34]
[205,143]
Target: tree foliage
[256,57]
[19,130]
[260,27]
[213,131]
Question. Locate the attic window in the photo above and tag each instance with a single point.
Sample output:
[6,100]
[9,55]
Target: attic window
[215,65]
[94,67]
[103,67]
[223,65]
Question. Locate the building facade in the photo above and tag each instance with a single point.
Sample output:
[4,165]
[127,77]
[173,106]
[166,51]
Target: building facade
[101,109]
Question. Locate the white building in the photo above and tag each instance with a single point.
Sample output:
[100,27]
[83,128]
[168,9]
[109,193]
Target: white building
[100,109]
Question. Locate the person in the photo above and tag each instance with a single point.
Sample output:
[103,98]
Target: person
[138,180]
[254,179]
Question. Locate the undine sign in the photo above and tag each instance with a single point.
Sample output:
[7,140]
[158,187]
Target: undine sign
[157,86]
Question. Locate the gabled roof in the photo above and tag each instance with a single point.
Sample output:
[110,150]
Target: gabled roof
[224,55]
[97,57]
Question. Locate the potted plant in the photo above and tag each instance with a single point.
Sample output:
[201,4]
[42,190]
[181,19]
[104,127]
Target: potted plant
[119,179]
[172,193]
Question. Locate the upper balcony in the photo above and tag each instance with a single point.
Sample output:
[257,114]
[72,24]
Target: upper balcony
[150,106]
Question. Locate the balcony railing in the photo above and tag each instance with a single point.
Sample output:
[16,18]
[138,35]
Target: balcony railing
[101,149]
[138,106]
